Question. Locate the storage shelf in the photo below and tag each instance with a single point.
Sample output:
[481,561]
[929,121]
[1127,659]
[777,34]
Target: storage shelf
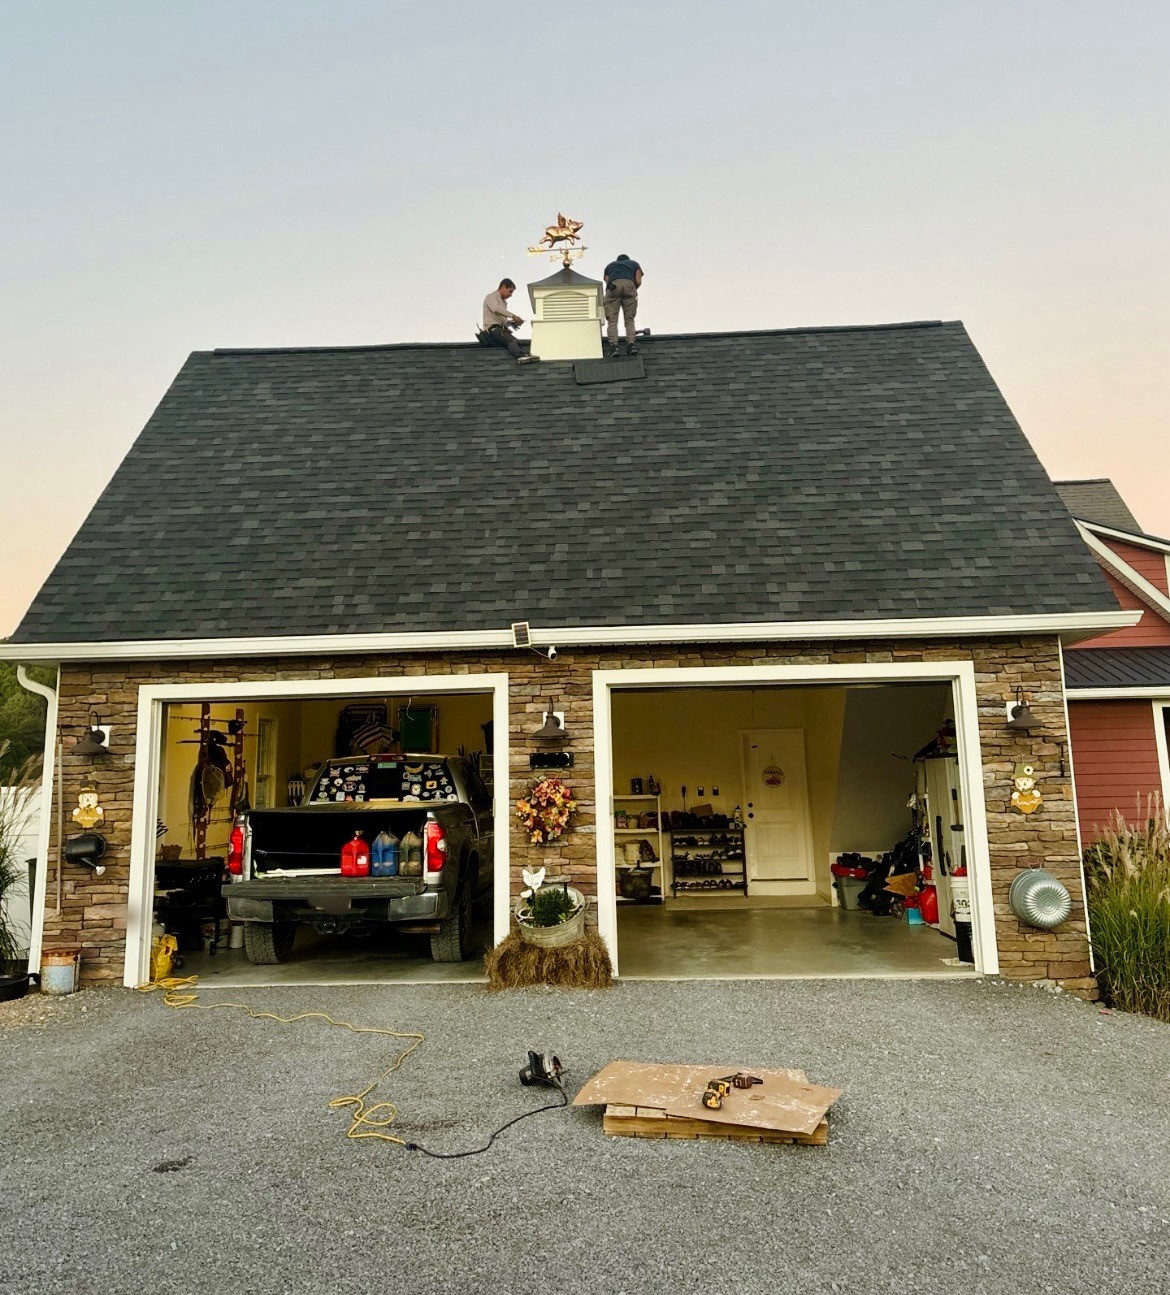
[635,797]
[696,887]
[635,831]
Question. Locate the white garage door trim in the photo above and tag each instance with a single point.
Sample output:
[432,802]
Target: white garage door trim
[153,697]
[959,674]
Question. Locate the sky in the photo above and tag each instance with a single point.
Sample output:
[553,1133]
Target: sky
[281,172]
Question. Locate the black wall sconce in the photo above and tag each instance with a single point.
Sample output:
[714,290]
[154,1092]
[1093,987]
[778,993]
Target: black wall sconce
[96,739]
[553,729]
[1019,715]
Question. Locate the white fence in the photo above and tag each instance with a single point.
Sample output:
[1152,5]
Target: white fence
[26,813]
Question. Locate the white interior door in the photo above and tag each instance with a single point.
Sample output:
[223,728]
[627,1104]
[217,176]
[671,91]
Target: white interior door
[778,826]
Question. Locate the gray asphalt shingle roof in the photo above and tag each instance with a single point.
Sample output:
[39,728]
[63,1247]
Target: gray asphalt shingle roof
[1098,500]
[1118,668]
[812,474]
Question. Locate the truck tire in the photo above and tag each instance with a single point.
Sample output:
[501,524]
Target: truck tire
[267,943]
[450,943]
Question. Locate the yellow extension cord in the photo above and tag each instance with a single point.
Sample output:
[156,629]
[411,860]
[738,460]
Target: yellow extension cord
[365,1121]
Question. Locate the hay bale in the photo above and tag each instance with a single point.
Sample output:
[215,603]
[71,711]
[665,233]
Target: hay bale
[584,964]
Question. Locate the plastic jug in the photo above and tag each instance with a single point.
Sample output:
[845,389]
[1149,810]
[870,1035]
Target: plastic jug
[355,857]
[384,855]
[410,855]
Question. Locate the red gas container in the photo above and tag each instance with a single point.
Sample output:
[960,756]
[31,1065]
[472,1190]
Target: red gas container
[355,857]
[928,905]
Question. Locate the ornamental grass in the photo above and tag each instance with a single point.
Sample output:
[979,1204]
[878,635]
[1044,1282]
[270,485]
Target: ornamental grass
[1128,875]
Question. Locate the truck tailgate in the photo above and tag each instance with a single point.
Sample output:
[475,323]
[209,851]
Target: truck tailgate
[309,887]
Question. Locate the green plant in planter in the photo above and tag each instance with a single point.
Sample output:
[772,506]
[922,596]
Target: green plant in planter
[550,906]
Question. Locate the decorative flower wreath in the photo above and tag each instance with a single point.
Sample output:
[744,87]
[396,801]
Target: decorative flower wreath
[546,810]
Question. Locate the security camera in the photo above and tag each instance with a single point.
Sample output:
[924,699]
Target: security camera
[552,654]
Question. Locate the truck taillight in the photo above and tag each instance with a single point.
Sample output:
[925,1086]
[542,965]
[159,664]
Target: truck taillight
[235,859]
[434,846]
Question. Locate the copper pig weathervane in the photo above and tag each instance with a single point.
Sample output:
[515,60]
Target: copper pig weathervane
[566,231]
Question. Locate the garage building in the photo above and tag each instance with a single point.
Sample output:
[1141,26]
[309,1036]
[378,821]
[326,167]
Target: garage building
[792,579]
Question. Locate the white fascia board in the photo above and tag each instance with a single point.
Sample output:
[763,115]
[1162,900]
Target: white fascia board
[1127,537]
[1127,575]
[1118,694]
[1068,626]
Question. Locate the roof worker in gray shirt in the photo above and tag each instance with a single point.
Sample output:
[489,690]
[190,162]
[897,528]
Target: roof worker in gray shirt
[623,278]
[498,322]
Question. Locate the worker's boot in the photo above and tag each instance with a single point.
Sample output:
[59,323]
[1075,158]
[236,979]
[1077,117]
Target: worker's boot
[528,359]
[631,348]
[612,352]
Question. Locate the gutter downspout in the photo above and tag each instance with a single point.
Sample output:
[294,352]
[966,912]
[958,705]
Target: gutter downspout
[50,768]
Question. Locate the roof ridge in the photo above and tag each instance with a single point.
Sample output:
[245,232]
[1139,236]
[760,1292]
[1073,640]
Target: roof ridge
[656,337]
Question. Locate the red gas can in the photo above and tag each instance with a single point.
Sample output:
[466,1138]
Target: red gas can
[928,905]
[355,857]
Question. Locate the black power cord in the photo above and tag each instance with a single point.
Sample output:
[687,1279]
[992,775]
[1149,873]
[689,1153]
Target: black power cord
[478,1151]
[542,1068]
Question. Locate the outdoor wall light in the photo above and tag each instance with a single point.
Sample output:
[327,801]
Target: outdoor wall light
[96,741]
[553,728]
[1019,715]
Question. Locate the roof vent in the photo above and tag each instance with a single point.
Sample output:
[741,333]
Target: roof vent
[521,635]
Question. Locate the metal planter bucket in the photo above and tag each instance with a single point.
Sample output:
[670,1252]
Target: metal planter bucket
[553,937]
[1038,898]
[60,971]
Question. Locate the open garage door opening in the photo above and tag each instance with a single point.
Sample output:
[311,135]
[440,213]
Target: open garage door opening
[789,831]
[326,839]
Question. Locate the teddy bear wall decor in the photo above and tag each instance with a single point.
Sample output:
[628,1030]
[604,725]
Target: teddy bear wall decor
[88,813]
[1025,798]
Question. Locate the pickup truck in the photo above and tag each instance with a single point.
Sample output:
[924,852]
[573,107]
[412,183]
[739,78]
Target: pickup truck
[284,864]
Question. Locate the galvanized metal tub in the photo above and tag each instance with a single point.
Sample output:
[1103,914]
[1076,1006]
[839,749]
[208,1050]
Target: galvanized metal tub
[1040,899]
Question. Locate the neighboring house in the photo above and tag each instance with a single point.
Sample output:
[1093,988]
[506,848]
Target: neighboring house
[768,561]
[1119,684]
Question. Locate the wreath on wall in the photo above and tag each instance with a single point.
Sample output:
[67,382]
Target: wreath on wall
[546,810]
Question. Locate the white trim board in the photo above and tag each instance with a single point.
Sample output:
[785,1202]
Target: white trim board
[1072,784]
[153,697]
[1134,580]
[1070,626]
[1161,710]
[1118,694]
[50,810]
[959,674]
[1127,537]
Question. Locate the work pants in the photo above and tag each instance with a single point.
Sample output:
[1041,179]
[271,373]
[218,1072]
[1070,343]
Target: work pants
[503,337]
[622,294]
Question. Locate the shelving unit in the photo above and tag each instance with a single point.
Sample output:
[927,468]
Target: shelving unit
[637,805]
[707,860]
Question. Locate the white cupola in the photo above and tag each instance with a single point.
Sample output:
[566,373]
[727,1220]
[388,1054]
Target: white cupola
[566,316]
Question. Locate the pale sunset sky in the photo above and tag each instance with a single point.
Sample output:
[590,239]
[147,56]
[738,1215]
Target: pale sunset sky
[178,177]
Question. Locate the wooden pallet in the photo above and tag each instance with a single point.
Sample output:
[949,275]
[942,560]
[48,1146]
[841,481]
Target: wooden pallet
[647,1122]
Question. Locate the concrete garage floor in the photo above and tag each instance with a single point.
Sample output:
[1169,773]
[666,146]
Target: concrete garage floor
[992,1140]
[669,942]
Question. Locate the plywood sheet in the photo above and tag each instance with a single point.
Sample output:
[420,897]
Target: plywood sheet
[647,1122]
[785,1100]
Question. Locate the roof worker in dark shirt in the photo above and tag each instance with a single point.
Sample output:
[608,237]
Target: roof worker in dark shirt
[498,322]
[623,278]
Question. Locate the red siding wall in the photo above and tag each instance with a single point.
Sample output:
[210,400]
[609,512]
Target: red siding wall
[1145,562]
[1115,759]
[1150,631]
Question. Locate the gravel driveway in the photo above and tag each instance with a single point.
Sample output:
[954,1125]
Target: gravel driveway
[991,1138]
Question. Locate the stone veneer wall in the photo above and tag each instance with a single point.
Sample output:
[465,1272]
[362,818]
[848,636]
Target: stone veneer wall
[94,908]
